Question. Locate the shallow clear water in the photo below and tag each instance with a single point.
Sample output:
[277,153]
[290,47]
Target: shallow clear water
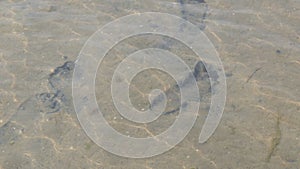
[258,43]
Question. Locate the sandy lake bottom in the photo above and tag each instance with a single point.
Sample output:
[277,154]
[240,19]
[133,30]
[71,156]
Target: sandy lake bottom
[258,43]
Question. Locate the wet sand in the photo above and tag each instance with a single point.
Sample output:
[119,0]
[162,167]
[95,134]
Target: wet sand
[258,43]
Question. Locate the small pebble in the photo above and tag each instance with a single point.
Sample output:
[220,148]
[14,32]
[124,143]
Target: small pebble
[20,132]
[278,51]
[12,142]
